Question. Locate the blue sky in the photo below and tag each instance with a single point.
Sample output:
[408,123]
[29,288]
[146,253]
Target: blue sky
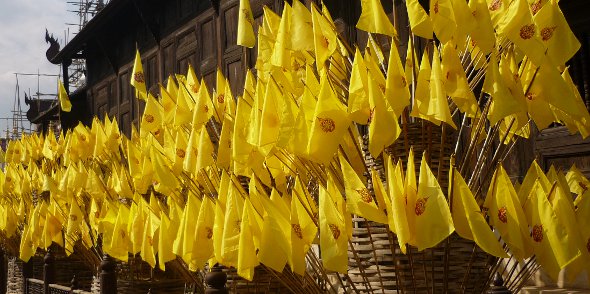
[22,47]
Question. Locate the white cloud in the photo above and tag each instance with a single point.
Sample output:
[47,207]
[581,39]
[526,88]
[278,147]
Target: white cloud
[22,47]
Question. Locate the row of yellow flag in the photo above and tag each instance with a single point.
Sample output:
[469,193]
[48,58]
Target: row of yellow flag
[291,133]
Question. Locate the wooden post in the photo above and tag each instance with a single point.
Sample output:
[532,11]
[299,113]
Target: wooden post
[27,274]
[216,280]
[74,284]
[498,287]
[48,270]
[3,272]
[108,275]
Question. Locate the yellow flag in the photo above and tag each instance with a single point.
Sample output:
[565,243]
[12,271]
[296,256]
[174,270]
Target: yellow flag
[203,239]
[205,150]
[419,21]
[119,245]
[358,102]
[507,216]
[184,108]
[138,78]
[468,218]
[64,100]
[431,101]
[204,108]
[482,35]
[231,227]
[430,211]
[151,121]
[466,21]
[582,216]
[456,85]
[223,100]
[148,253]
[576,181]
[411,61]
[503,104]
[383,126]
[245,25]
[333,236]
[172,88]
[329,125]
[324,37]
[395,181]
[558,38]
[184,242]
[270,119]
[301,27]
[281,55]
[303,232]
[75,220]
[374,20]
[167,233]
[552,245]
[534,173]
[224,150]
[442,16]
[275,246]
[246,261]
[396,86]
[359,200]
[517,25]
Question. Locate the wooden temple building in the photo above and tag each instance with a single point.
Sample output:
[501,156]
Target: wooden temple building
[172,34]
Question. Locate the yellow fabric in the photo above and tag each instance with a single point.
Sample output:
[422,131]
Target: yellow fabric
[324,38]
[507,216]
[138,78]
[374,20]
[555,33]
[64,100]
[430,100]
[396,85]
[442,16]
[358,102]
[245,25]
[333,236]
[468,218]
[552,245]
[430,211]
[330,123]
[383,126]
[246,261]
[359,200]
[419,21]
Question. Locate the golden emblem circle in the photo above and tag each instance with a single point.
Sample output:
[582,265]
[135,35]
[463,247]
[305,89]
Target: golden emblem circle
[221,98]
[209,232]
[297,230]
[195,88]
[150,240]
[73,217]
[365,195]
[420,207]
[547,33]
[495,5]
[180,153]
[335,231]
[149,118]
[527,31]
[537,233]
[503,214]
[327,125]
[138,77]
[536,6]
[436,7]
